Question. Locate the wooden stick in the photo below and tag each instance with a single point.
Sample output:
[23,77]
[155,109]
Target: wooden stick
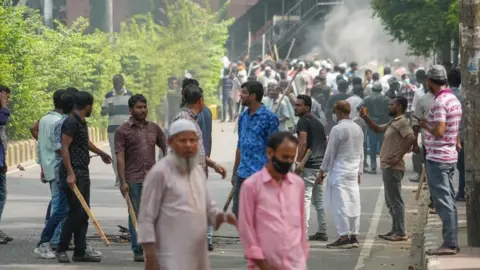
[285,92]
[290,49]
[276,51]
[423,178]
[271,50]
[229,199]
[249,44]
[304,160]
[131,211]
[90,214]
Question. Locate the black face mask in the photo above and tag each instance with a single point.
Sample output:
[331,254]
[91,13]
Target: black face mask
[280,166]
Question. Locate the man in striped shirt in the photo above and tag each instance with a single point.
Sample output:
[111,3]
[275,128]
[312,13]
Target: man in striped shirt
[115,105]
[442,142]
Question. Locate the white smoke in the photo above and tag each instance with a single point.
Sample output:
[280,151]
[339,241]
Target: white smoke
[351,33]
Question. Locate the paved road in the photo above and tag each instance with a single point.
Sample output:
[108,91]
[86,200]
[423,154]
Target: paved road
[27,200]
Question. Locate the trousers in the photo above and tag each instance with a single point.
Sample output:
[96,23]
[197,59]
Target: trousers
[111,142]
[392,180]
[314,195]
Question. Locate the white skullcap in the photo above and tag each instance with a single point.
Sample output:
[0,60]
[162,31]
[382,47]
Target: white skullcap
[301,64]
[324,63]
[343,65]
[268,68]
[317,63]
[181,125]
[396,60]
[328,66]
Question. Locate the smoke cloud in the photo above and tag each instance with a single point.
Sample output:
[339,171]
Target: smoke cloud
[351,33]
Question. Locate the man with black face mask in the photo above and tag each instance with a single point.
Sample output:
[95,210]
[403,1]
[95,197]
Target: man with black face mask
[399,139]
[269,199]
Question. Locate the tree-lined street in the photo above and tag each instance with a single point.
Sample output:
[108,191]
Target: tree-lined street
[28,199]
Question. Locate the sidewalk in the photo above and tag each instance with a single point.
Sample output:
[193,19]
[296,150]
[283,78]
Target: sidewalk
[467,259]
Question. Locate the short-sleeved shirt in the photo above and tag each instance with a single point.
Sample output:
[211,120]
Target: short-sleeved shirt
[205,122]
[396,135]
[137,141]
[253,133]
[447,109]
[77,128]
[316,139]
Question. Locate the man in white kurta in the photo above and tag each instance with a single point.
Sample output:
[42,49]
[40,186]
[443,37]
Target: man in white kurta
[343,161]
[176,207]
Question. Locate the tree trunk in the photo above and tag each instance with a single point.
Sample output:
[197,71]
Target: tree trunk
[456,49]
[470,62]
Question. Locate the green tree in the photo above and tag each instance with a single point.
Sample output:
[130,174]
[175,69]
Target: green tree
[37,60]
[424,25]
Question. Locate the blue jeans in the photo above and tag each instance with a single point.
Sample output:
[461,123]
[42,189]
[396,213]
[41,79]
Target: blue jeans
[3,191]
[461,173]
[135,193]
[59,211]
[210,235]
[227,102]
[236,194]
[439,178]
[375,141]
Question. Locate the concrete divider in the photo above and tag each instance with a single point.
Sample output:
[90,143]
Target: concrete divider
[22,152]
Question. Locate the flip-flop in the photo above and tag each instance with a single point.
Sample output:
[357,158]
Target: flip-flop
[396,238]
[442,251]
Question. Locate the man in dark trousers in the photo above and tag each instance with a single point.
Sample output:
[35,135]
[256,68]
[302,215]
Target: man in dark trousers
[74,171]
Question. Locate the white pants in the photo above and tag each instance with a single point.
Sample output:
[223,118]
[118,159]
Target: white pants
[111,141]
[346,225]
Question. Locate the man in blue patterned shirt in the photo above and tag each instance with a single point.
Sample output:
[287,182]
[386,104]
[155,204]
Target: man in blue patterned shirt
[255,125]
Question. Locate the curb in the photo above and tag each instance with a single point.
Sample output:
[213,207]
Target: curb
[25,152]
[430,239]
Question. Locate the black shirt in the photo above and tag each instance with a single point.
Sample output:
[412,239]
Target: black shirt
[77,128]
[316,139]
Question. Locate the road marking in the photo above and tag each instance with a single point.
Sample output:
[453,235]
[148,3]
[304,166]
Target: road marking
[372,231]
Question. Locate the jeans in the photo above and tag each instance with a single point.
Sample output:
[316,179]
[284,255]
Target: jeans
[365,149]
[210,235]
[313,195]
[53,229]
[439,178]
[375,141]
[77,219]
[49,209]
[111,141]
[3,191]
[135,193]
[417,161]
[227,101]
[461,173]
[392,180]
[236,194]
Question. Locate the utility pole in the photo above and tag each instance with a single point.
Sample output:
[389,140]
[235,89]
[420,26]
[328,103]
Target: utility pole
[470,63]
[109,16]
[48,13]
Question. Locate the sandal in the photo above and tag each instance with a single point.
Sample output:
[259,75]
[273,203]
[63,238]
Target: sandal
[442,251]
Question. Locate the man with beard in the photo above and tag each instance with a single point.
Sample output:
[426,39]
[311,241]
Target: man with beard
[343,161]
[271,224]
[311,135]
[399,139]
[74,171]
[341,95]
[176,206]
[255,125]
[135,143]
[272,102]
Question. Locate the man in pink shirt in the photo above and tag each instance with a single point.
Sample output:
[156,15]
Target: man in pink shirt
[271,217]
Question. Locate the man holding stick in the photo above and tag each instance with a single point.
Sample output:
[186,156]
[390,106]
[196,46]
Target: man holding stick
[135,143]
[311,135]
[74,171]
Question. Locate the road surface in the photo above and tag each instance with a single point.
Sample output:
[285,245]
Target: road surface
[28,198]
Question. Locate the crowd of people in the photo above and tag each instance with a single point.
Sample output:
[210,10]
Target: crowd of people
[304,132]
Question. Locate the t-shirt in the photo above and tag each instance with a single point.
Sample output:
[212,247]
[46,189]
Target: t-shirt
[316,139]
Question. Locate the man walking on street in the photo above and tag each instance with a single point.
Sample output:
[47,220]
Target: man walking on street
[343,161]
[399,139]
[442,142]
[115,105]
[377,110]
[4,116]
[255,125]
[176,206]
[271,221]
[74,171]
[135,143]
[311,136]
[47,158]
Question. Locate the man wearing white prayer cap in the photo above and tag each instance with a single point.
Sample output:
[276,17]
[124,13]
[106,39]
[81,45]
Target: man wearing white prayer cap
[176,206]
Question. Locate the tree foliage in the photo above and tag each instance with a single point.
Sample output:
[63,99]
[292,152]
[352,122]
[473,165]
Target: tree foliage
[424,25]
[37,60]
